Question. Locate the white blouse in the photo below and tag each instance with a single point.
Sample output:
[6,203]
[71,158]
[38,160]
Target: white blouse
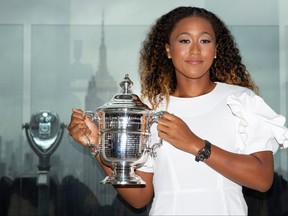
[230,117]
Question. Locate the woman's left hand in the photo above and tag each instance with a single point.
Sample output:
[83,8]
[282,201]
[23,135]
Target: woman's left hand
[175,131]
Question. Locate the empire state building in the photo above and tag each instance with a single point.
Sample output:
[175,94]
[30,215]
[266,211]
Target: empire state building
[101,89]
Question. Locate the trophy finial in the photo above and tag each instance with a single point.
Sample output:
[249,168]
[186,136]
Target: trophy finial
[126,84]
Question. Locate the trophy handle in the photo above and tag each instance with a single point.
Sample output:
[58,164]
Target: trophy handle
[96,149]
[154,119]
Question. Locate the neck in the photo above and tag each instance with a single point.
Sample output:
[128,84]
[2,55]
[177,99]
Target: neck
[193,89]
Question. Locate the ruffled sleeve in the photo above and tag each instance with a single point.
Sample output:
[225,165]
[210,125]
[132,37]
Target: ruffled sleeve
[259,127]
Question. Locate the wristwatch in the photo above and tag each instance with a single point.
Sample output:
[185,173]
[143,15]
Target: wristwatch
[204,153]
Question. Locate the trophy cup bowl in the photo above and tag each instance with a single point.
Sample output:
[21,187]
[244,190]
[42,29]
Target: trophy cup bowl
[124,133]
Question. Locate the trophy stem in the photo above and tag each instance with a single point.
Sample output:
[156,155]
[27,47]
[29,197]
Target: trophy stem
[123,176]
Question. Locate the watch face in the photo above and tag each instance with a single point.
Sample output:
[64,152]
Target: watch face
[204,153]
[207,153]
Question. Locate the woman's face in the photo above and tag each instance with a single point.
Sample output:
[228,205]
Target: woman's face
[192,48]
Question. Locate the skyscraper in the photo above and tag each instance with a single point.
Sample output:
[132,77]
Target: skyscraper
[101,89]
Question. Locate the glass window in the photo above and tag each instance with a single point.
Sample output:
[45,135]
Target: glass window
[59,65]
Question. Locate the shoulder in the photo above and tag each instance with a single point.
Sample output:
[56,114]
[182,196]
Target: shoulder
[231,89]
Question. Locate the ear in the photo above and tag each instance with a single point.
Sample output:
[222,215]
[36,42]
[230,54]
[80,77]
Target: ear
[167,48]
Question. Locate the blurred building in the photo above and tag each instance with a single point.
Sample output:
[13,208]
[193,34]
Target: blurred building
[101,89]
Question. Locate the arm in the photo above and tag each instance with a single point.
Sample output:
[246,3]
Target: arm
[80,126]
[254,171]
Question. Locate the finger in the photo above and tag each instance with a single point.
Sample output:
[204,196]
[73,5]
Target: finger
[77,113]
[168,116]
[166,122]
[79,127]
[78,134]
[76,118]
[162,128]
[163,135]
[77,110]
[79,130]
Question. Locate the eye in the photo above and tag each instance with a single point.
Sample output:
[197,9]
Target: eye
[184,41]
[205,41]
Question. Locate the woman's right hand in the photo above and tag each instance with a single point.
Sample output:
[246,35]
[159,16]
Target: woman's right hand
[81,126]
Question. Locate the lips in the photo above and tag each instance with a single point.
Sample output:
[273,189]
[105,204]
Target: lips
[194,61]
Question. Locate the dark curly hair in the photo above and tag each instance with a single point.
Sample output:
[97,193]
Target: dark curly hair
[157,72]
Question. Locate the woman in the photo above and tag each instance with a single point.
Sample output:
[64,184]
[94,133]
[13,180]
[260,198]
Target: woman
[218,134]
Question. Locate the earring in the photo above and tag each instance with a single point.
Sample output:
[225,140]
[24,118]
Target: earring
[215,57]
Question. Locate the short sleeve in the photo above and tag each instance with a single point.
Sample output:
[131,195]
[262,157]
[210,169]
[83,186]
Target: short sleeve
[259,127]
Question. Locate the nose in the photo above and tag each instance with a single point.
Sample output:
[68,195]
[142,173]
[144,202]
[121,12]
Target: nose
[194,49]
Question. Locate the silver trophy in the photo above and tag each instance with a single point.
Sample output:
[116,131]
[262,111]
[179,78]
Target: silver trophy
[124,133]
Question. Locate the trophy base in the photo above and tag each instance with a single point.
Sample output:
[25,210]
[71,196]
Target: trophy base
[122,177]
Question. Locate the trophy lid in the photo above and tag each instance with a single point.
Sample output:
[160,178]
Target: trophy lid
[125,99]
